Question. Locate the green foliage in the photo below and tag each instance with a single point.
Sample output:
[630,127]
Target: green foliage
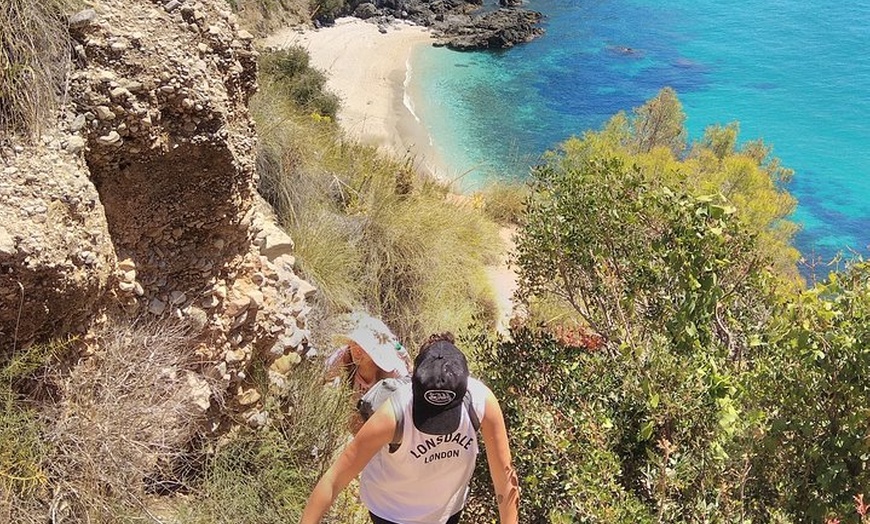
[34,54]
[325,9]
[638,261]
[659,123]
[292,74]
[815,456]
[678,290]
[748,177]
[721,141]
[600,438]
[723,396]
[559,432]
[22,447]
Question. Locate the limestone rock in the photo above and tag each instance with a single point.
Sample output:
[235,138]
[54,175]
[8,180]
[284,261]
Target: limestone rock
[143,202]
[55,248]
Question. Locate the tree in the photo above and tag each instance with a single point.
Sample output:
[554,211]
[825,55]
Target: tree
[636,259]
[749,177]
[659,123]
[673,285]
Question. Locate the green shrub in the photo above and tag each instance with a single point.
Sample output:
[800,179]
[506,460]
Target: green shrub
[814,457]
[555,401]
[289,69]
[326,10]
[600,438]
[753,181]
[638,260]
[23,450]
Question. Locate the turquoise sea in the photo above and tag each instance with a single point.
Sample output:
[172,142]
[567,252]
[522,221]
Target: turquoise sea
[794,73]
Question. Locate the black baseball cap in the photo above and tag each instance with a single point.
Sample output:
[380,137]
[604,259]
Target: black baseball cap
[439,383]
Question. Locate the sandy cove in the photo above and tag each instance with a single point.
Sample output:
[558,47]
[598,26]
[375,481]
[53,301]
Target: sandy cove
[367,69]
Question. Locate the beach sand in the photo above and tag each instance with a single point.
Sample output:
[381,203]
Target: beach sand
[367,69]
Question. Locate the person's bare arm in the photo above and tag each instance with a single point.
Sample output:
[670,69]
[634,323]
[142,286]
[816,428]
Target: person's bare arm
[376,433]
[498,455]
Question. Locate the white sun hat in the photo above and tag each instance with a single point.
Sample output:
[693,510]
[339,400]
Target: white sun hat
[376,339]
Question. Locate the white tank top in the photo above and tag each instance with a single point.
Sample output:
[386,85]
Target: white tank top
[425,481]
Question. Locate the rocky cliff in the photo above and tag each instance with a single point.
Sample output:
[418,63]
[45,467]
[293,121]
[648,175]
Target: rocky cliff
[141,203]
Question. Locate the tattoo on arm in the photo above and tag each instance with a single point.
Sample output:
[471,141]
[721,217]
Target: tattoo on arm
[511,492]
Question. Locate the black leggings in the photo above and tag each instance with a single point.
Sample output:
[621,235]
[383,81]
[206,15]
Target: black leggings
[378,520]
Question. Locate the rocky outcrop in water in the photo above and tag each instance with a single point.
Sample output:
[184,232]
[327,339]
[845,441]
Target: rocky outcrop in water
[458,24]
[499,29]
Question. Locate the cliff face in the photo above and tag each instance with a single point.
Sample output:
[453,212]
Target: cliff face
[142,203]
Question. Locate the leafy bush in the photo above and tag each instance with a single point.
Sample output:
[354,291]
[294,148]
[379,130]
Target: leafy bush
[749,177]
[292,74]
[560,431]
[326,10]
[814,457]
[618,438]
[645,384]
[638,261]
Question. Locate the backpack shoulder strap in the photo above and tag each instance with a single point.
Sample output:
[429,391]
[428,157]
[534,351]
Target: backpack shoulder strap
[469,406]
[400,423]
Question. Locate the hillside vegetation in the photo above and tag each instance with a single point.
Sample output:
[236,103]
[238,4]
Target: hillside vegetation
[672,368]
[33,63]
[668,366]
[369,230]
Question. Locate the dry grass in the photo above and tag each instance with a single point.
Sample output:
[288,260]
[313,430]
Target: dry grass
[504,202]
[34,60]
[125,417]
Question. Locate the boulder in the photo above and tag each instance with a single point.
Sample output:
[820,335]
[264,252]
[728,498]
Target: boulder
[365,11]
[498,29]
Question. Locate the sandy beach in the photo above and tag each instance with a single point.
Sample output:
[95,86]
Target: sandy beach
[367,69]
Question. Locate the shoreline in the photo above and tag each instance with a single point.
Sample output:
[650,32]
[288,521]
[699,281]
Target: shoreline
[371,72]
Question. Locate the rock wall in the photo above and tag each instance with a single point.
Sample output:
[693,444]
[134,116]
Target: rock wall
[143,202]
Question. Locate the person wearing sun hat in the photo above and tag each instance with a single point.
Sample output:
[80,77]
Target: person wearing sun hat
[424,479]
[370,352]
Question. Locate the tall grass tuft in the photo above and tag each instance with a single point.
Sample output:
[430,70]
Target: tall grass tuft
[504,202]
[124,418]
[34,59]
[264,477]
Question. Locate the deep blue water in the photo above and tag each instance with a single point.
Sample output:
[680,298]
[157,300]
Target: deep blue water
[794,73]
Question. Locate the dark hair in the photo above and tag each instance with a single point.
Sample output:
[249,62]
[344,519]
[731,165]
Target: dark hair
[437,337]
